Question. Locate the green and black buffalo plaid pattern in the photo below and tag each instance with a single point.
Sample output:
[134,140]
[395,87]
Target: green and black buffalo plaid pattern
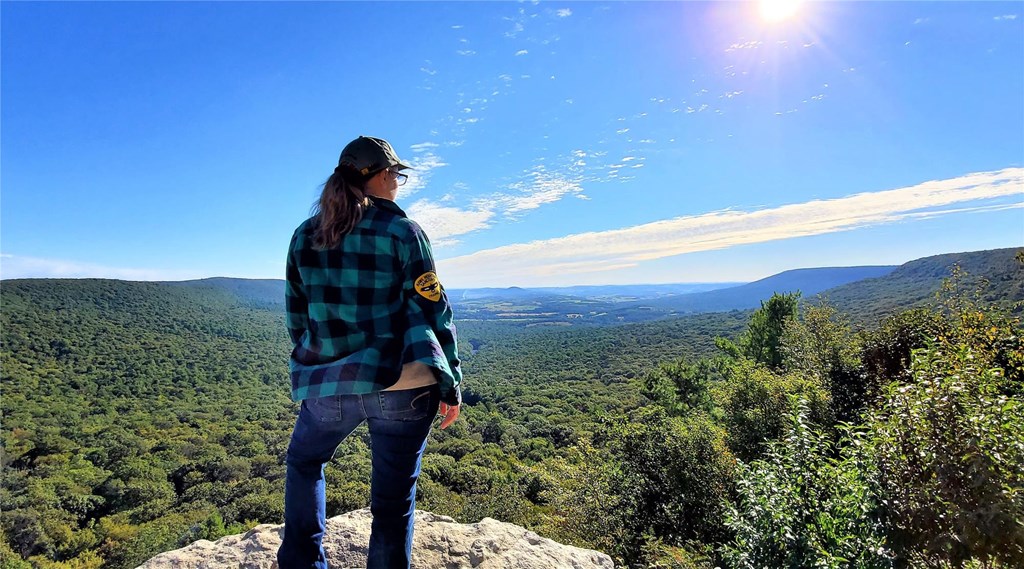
[358,312]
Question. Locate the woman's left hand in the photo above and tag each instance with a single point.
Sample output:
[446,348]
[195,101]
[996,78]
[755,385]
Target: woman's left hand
[450,413]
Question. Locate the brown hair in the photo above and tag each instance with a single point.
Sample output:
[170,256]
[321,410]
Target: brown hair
[340,207]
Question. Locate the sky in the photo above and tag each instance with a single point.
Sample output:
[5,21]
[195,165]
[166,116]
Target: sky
[553,143]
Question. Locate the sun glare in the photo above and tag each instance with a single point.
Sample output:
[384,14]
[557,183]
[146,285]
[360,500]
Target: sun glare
[778,10]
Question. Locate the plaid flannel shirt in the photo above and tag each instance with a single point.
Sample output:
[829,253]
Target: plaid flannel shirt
[360,311]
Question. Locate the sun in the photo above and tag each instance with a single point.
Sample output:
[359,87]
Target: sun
[778,10]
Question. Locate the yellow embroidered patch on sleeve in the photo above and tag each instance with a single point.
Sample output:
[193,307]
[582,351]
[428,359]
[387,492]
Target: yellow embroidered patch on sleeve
[428,286]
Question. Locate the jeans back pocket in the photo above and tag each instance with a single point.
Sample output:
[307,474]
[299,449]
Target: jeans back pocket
[410,404]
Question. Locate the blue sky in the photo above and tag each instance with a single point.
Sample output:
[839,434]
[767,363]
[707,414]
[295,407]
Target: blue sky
[555,143]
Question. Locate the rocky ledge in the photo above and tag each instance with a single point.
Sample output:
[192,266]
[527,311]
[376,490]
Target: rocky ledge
[439,542]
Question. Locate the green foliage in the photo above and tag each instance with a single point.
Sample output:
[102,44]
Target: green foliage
[129,409]
[145,540]
[141,416]
[798,507]
[994,334]
[886,352]
[9,559]
[667,484]
[681,387]
[212,528]
[949,449]
[755,401]
[762,341]
[821,345]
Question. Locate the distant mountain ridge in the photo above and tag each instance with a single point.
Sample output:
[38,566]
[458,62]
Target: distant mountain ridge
[864,291]
[808,282]
[619,292]
[996,274]
[700,297]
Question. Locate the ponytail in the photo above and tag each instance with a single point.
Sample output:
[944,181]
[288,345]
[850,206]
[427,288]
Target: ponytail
[340,207]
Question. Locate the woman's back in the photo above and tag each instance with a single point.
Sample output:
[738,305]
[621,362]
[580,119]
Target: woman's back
[363,303]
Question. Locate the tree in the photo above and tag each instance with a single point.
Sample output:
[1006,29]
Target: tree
[763,340]
[886,352]
[821,345]
[669,481]
[682,387]
[755,401]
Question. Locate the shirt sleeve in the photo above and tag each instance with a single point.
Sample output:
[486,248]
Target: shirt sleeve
[431,335]
[295,301]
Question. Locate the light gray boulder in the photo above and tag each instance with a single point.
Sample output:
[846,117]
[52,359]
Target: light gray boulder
[439,542]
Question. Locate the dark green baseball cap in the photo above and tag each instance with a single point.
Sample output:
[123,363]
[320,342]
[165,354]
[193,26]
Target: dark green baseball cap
[369,155]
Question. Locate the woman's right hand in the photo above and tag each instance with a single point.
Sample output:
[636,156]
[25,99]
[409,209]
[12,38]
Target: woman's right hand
[449,414]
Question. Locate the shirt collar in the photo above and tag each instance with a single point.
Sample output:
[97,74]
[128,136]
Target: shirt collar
[388,205]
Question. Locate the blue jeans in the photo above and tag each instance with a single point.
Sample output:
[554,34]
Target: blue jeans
[399,423]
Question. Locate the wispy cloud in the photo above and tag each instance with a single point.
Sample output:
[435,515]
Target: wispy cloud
[1006,17]
[517,23]
[18,267]
[543,188]
[423,146]
[620,248]
[534,188]
[442,223]
[563,13]
[522,52]
[753,44]
[423,162]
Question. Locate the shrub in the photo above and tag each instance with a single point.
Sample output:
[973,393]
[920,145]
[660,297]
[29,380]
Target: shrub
[800,508]
[949,450]
[670,480]
[755,402]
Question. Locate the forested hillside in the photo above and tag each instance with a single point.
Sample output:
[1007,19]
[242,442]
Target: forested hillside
[138,417]
[915,283]
[266,293]
[132,412]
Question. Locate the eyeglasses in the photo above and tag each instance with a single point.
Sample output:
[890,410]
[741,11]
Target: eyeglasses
[400,177]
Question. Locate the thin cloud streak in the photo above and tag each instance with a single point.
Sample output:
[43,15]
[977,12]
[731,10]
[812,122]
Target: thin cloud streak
[19,267]
[597,251]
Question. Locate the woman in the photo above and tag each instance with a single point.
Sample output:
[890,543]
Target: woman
[374,341]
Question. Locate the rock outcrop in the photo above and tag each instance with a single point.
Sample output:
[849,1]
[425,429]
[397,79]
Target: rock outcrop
[439,542]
